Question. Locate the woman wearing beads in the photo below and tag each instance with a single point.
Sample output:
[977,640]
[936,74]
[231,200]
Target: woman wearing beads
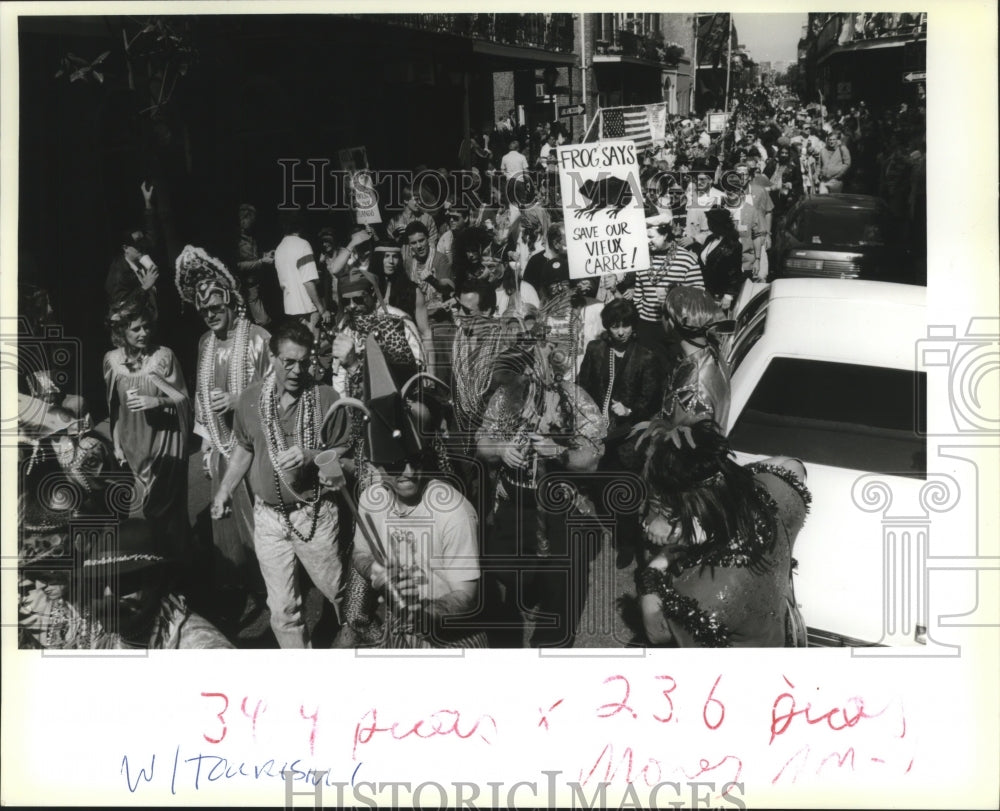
[622,377]
[150,415]
[620,374]
[231,355]
[719,542]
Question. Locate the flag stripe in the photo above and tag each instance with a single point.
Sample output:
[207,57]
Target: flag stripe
[627,122]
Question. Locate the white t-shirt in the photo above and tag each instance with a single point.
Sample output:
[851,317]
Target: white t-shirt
[528,295]
[295,265]
[439,537]
[513,164]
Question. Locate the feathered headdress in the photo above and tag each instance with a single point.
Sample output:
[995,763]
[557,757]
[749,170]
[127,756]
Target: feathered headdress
[200,276]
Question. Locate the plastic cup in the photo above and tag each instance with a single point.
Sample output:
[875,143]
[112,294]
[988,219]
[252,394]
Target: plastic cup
[330,469]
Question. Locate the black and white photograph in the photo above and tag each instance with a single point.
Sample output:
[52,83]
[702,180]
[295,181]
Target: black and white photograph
[569,334]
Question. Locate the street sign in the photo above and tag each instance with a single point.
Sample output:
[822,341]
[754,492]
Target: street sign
[572,109]
[915,76]
[717,122]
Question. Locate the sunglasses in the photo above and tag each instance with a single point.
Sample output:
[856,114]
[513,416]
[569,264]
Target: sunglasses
[288,364]
[396,467]
[214,309]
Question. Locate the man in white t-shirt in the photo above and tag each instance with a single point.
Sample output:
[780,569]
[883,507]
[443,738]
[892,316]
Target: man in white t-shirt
[297,274]
[426,557]
[514,167]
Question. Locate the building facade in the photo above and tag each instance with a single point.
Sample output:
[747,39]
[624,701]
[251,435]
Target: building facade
[840,53]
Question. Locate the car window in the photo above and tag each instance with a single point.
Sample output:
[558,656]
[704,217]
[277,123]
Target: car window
[834,226]
[838,414]
[750,325]
[749,312]
[792,225]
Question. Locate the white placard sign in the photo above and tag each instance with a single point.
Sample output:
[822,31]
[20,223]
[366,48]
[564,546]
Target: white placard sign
[603,209]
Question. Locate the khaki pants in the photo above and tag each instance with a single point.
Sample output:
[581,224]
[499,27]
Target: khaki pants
[278,549]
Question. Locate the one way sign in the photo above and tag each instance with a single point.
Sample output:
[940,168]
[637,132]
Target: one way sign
[915,76]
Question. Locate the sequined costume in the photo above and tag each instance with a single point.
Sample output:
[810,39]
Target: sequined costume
[698,388]
[740,594]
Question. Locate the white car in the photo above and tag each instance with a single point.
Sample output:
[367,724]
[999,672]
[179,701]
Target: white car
[824,370]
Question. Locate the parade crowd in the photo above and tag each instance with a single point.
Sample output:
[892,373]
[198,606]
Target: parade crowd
[433,422]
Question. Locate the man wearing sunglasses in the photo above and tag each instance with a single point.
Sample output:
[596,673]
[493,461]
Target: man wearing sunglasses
[458,221]
[429,574]
[393,330]
[279,429]
[232,354]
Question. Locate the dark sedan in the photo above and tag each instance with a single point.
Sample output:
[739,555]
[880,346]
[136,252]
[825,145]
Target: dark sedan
[843,236]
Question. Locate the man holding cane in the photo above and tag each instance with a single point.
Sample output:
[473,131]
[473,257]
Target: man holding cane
[279,429]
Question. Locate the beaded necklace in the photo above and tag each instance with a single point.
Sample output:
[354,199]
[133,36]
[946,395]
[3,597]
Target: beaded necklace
[306,436]
[240,372]
[613,355]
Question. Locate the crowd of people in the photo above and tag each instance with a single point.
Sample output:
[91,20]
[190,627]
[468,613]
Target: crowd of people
[431,422]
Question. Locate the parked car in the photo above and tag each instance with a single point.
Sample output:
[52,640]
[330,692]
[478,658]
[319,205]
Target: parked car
[825,371]
[843,236]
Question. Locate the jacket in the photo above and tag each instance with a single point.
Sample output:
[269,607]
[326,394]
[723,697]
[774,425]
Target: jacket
[722,269]
[637,385]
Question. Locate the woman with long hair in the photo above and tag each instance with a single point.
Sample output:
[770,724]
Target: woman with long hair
[473,260]
[150,415]
[399,291]
[721,257]
[719,541]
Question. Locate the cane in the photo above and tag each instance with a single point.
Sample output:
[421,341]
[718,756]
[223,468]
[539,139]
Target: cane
[332,470]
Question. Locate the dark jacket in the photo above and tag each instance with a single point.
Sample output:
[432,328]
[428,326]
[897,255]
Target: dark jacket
[784,198]
[722,269]
[637,383]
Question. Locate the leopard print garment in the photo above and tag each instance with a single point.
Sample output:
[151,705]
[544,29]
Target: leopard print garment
[390,333]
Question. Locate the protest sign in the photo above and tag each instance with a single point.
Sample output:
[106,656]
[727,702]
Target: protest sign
[717,122]
[602,208]
[364,198]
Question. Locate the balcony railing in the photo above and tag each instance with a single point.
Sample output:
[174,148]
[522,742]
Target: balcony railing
[841,29]
[650,47]
[869,25]
[551,32]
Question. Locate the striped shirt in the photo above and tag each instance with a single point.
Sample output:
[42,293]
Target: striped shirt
[682,269]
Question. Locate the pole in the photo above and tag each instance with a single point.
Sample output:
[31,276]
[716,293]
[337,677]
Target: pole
[583,68]
[692,97]
[466,122]
[729,60]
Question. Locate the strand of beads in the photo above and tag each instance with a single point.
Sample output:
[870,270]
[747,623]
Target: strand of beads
[239,375]
[306,434]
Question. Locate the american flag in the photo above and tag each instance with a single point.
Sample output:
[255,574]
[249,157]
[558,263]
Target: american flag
[627,122]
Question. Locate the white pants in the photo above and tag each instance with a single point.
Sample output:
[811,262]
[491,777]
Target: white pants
[278,549]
